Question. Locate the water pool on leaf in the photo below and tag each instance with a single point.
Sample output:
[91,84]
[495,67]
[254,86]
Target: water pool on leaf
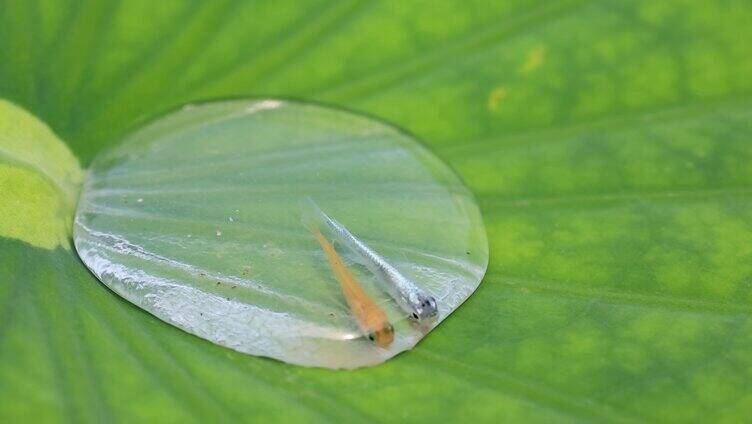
[195,218]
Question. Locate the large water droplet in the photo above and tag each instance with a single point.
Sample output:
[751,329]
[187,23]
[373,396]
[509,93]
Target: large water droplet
[195,218]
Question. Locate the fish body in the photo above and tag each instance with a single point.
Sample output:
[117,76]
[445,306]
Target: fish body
[371,318]
[411,298]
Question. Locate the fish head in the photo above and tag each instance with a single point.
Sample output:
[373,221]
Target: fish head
[383,336]
[425,308]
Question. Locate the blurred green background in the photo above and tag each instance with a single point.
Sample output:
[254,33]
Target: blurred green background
[609,144]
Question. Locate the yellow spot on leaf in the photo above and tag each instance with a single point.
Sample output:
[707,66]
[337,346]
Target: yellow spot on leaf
[32,209]
[39,180]
[533,60]
[497,95]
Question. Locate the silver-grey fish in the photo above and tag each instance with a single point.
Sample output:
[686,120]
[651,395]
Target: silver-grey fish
[411,298]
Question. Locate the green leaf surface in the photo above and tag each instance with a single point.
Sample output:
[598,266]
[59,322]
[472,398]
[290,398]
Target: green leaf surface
[40,181]
[609,144]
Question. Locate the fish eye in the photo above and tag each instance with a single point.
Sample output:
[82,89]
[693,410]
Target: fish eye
[370,337]
[415,315]
[431,302]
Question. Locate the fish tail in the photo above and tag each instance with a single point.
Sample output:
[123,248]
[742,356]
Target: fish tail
[311,216]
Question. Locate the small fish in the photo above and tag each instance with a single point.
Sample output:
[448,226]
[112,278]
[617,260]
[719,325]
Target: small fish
[410,297]
[371,319]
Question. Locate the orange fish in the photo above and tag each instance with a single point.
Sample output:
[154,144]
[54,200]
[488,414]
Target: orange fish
[371,319]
